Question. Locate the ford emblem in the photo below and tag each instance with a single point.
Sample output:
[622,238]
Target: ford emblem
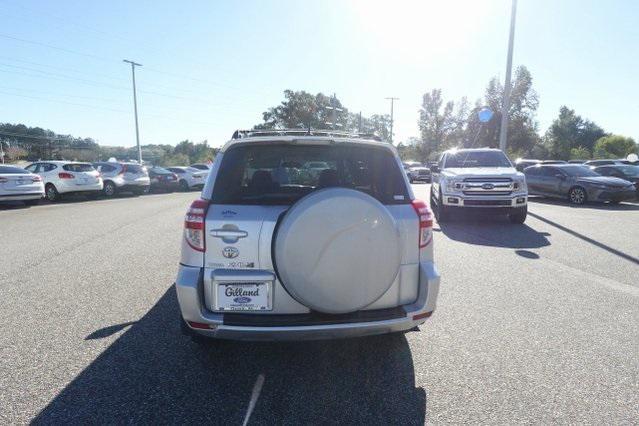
[230,252]
[242,299]
[488,186]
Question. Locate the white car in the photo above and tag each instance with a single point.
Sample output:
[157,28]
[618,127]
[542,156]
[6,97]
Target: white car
[123,177]
[189,177]
[270,253]
[67,177]
[18,184]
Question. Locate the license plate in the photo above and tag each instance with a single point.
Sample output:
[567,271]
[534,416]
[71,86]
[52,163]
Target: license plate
[244,297]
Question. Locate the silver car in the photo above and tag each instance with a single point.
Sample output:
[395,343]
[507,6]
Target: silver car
[271,252]
[123,177]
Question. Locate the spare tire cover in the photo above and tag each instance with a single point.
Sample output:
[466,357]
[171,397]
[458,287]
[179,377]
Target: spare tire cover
[337,250]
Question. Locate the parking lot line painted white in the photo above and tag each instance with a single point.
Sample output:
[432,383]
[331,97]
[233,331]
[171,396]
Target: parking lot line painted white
[257,388]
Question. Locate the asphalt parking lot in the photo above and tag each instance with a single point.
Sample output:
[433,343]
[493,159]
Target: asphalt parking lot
[536,323]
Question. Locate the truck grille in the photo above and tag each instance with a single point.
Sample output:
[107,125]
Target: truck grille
[487,202]
[487,186]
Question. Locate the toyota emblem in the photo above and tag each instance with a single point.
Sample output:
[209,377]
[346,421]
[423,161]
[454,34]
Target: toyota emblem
[230,252]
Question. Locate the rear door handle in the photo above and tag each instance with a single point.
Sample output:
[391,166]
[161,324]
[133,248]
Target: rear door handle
[228,234]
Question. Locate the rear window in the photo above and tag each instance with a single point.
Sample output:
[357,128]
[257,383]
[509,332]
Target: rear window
[133,168]
[10,170]
[161,171]
[282,174]
[78,167]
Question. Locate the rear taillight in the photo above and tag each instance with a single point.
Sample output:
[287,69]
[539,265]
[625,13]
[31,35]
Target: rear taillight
[36,179]
[425,217]
[194,224]
[123,171]
[65,175]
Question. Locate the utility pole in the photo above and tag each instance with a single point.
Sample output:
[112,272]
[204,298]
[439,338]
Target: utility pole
[335,111]
[135,107]
[505,104]
[391,123]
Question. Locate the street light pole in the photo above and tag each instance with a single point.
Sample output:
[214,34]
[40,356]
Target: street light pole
[135,108]
[505,105]
[392,121]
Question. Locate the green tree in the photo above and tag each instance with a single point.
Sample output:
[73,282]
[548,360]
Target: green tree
[570,131]
[579,153]
[435,121]
[614,146]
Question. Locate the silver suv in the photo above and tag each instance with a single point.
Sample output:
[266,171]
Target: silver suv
[278,250]
[123,177]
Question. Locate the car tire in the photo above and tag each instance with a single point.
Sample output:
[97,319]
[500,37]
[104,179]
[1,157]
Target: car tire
[184,186]
[577,195]
[109,189]
[51,192]
[519,215]
[442,212]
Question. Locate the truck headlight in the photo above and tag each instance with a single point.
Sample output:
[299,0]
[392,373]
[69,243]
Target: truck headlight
[520,185]
[454,185]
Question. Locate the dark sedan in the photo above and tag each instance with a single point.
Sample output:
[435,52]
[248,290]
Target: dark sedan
[622,171]
[163,180]
[577,183]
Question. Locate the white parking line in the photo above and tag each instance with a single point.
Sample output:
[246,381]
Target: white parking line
[257,388]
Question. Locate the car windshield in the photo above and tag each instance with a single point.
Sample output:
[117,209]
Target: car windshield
[578,171]
[10,170]
[282,174]
[134,168]
[78,167]
[476,159]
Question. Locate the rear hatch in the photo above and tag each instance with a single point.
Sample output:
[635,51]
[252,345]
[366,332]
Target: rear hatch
[134,174]
[257,184]
[80,174]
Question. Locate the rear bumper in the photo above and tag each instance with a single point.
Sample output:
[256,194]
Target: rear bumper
[189,287]
[22,196]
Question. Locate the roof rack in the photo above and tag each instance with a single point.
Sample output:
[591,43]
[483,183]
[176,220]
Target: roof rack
[240,134]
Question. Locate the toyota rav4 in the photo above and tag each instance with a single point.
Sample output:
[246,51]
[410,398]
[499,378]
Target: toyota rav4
[279,250]
[481,178]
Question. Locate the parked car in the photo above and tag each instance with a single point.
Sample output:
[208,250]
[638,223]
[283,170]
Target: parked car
[201,166]
[554,162]
[163,180]
[67,177]
[577,183]
[595,163]
[123,177]
[576,161]
[419,174]
[273,257]
[482,178]
[189,177]
[621,171]
[522,163]
[18,184]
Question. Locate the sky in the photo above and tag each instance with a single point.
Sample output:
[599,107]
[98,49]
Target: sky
[211,67]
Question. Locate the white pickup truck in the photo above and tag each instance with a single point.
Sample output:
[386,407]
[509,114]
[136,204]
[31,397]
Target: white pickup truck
[480,178]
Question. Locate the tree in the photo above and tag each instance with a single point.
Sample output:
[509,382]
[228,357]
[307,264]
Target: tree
[570,131]
[435,121]
[301,110]
[579,153]
[614,146]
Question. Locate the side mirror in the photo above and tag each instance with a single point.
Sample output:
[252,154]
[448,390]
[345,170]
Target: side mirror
[434,169]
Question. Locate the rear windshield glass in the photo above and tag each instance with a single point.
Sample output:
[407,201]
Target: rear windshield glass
[78,167]
[282,174]
[133,168]
[477,159]
[161,171]
[12,170]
